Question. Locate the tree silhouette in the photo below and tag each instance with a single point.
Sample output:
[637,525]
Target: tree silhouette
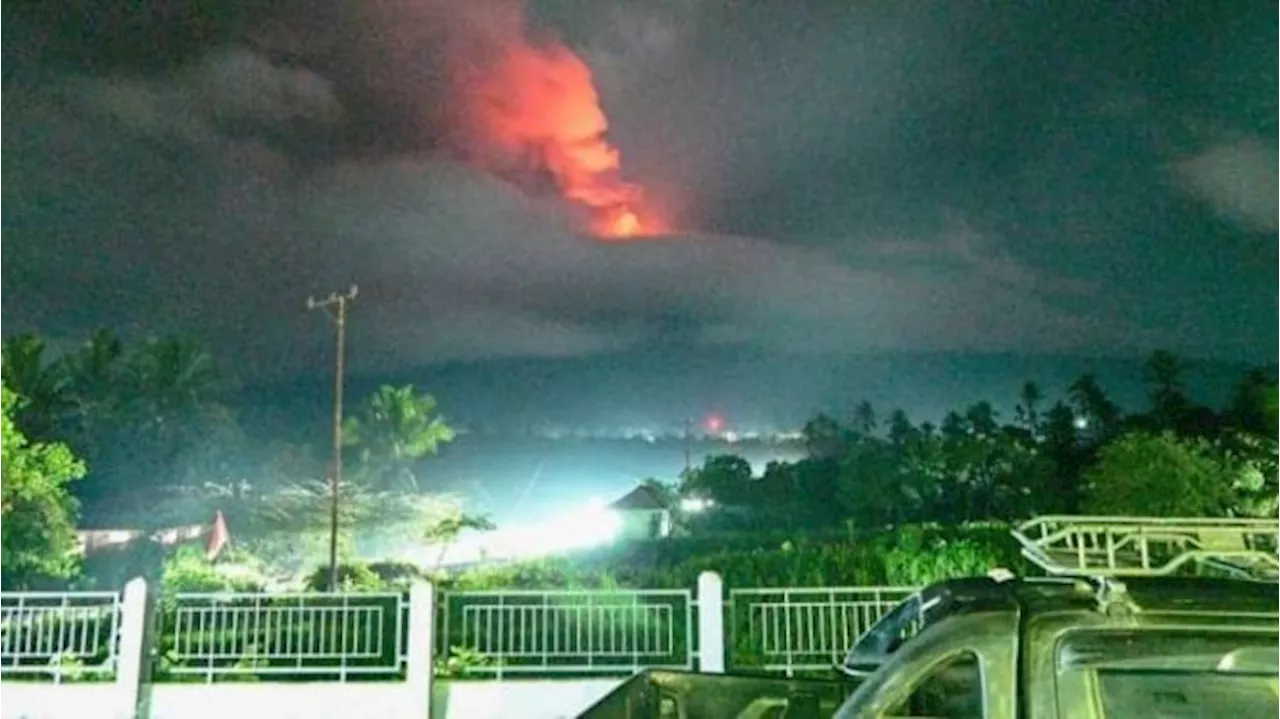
[393,429]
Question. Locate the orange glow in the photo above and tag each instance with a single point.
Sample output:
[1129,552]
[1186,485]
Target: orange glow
[528,110]
[626,225]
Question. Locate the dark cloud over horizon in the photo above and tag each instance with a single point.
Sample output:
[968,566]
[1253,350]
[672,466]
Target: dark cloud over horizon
[864,177]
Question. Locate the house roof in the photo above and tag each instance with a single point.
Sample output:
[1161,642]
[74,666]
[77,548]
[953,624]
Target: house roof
[642,497]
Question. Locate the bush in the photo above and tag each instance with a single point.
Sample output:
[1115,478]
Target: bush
[399,575]
[189,571]
[913,555]
[352,577]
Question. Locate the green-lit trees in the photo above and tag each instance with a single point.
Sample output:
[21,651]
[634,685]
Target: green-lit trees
[1142,473]
[394,429]
[39,512]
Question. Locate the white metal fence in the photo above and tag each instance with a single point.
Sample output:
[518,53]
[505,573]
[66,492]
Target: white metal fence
[588,632]
[229,636]
[340,635]
[796,629]
[61,635]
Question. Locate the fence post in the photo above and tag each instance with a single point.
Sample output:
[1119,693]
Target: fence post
[710,623]
[131,659]
[419,661]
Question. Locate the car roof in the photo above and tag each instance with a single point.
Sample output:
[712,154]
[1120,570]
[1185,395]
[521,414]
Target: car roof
[1162,598]
[1159,594]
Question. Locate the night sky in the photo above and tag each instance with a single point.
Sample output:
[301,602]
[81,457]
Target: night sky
[1084,177]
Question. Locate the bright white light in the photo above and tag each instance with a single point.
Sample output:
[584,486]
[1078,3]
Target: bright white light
[1082,422]
[693,505]
[593,526]
[590,526]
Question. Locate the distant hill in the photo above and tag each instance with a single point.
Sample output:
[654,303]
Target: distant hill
[502,468]
[751,390]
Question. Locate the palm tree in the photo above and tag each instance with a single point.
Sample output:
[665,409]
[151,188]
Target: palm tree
[41,384]
[1169,402]
[864,418]
[168,402]
[1253,403]
[900,429]
[981,418]
[94,377]
[395,428]
[823,437]
[172,378]
[1028,409]
[1099,414]
[1164,372]
[94,371]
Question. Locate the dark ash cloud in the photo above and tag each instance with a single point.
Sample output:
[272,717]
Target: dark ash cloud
[839,196]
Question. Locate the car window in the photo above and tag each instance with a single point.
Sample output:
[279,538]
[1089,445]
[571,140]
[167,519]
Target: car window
[1176,674]
[1175,695]
[952,690]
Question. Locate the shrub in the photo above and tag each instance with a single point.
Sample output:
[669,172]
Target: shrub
[189,571]
[912,555]
[352,577]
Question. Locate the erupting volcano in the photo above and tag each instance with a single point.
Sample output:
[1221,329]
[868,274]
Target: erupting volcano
[531,113]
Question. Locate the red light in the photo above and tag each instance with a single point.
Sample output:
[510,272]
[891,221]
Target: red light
[715,423]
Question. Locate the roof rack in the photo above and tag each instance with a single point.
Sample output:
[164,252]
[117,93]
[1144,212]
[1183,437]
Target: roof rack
[1150,546]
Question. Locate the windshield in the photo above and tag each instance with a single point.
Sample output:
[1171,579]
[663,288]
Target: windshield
[1179,674]
[1177,694]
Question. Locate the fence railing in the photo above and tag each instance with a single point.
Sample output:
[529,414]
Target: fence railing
[61,635]
[802,629]
[301,634]
[351,637]
[588,632]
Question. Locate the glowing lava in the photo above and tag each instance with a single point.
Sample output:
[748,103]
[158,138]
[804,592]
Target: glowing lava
[528,112]
[625,225]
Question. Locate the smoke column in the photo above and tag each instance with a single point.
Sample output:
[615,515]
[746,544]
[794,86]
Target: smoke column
[528,110]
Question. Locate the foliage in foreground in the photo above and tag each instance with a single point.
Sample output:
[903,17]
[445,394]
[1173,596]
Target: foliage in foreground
[39,512]
[905,556]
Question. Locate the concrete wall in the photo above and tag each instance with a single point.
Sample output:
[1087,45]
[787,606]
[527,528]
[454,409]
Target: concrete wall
[329,700]
[511,698]
[31,700]
[451,699]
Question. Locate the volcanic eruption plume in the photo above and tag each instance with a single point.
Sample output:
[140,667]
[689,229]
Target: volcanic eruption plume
[528,111]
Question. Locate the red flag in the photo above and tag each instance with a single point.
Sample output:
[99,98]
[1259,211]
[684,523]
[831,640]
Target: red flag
[218,538]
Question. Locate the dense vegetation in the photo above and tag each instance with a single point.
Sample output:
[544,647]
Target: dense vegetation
[150,429]
[158,409]
[876,500]
[1080,454]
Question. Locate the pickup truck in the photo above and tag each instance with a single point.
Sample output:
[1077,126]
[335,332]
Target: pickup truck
[1113,631]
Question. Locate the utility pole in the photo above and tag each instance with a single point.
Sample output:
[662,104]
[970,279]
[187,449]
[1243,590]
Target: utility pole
[688,446]
[340,300]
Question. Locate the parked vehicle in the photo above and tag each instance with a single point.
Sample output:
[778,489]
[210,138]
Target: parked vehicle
[1138,617]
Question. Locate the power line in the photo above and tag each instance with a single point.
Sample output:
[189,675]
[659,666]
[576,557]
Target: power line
[340,300]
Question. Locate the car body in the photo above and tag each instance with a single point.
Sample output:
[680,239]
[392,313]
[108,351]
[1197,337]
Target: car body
[1057,648]
[1125,625]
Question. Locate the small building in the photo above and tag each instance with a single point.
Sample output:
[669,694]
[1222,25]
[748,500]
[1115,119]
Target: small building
[642,514]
